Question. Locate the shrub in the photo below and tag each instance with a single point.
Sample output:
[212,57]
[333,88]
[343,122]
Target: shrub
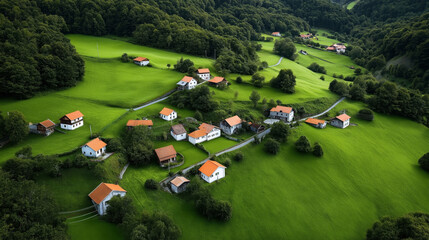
[271,146]
[238,157]
[114,145]
[322,78]
[317,150]
[198,116]
[194,171]
[184,66]
[239,80]
[151,184]
[20,168]
[80,161]
[124,58]
[365,114]
[24,152]
[227,162]
[303,145]
[317,68]
[258,80]
[280,131]
[424,162]
[118,208]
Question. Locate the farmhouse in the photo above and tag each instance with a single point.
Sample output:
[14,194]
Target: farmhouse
[316,122]
[166,155]
[205,132]
[341,121]
[178,132]
[306,36]
[101,195]
[283,113]
[217,81]
[178,184]
[94,148]
[187,83]
[46,127]
[141,61]
[231,125]
[204,73]
[72,121]
[276,34]
[257,128]
[168,114]
[212,171]
[338,47]
[135,123]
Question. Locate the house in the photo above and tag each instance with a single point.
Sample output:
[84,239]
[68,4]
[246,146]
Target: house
[168,114]
[257,128]
[205,132]
[46,127]
[166,155]
[141,61]
[212,171]
[276,34]
[316,122]
[231,125]
[178,184]
[216,81]
[306,36]
[134,123]
[204,73]
[283,113]
[341,121]
[337,47]
[178,132]
[101,195]
[72,121]
[94,148]
[187,83]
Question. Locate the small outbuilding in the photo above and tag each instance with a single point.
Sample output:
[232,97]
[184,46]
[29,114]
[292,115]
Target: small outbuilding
[168,114]
[72,120]
[141,61]
[212,171]
[94,148]
[341,121]
[276,34]
[316,122]
[217,81]
[282,113]
[231,125]
[166,155]
[257,128]
[187,83]
[101,195]
[134,123]
[46,127]
[178,132]
[204,73]
[178,184]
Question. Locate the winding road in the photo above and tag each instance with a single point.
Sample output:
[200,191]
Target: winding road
[280,60]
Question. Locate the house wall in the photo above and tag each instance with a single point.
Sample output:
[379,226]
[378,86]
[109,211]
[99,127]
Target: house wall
[102,207]
[197,140]
[89,152]
[77,123]
[229,130]
[170,117]
[174,188]
[282,115]
[215,133]
[142,63]
[179,137]
[340,124]
[204,76]
[218,174]
[192,84]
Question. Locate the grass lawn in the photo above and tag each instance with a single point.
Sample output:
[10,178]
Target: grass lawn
[218,144]
[352,4]
[95,229]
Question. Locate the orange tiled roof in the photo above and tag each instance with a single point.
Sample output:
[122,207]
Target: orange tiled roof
[74,115]
[281,109]
[314,121]
[104,189]
[133,123]
[206,127]
[343,117]
[275,33]
[232,121]
[330,48]
[47,123]
[140,59]
[198,133]
[178,181]
[166,111]
[209,167]
[217,80]
[96,144]
[203,70]
[186,79]
[165,153]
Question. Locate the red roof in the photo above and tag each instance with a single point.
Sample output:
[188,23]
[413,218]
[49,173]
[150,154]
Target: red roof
[314,121]
[96,144]
[74,115]
[232,121]
[140,59]
[217,80]
[206,127]
[343,117]
[165,153]
[166,111]
[103,190]
[186,79]
[203,70]
[198,133]
[281,109]
[274,33]
[178,181]
[133,123]
[47,123]
[209,167]
[330,48]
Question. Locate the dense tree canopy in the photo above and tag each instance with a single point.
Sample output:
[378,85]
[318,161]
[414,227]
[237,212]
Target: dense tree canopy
[285,81]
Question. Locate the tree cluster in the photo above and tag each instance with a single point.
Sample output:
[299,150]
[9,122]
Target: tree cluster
[317,68]
[138,145]
[285,48]
[13,127]
[199,99]
[184,66]
[285,81]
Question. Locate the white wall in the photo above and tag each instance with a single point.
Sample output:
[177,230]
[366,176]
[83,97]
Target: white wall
[229,130]
[179,137]
[192,84]
[215,133]
[197,140]
[142,63]
[218,174]
[75,124]
[204,76]
[287,116]
[89,152]
[170,117]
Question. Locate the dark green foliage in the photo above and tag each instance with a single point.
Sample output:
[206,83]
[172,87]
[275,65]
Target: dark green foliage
[317,68]
[20,168]
[365,114]
[198,116]
[285,48]
[317,150]
[376,63]
[258,80]
[254,97]
[124,58]
[118,208]
[16,127]
[303,145]
[114,145]
[280,131]
[424,162]
[238,157]
[339,88]
[227,162]
[80,161]
[382,10]
[50,165]
[151,184]
[285,81]
[2,126]
[271,146]
[358,71]
[271,103]
[28,211]
[239,80]
[138,145]
[322,78]
[411,226]
[199,99]
[357,92]
[183,66]
[25,152]
[243,60]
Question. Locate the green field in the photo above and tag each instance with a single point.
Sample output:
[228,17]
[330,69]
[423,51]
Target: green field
[94,229]
[352,4]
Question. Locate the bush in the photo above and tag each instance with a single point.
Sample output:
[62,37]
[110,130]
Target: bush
[365,114]
[317,150]
[194,171]
[80,161]
[20,168]
[285,81]
[258,80]
[322,78]
[317,68]
[303,145]
[271,146]
[124,58]
[114,145]
[227,162]
[280,131]
[24,152]
[424,162]
[184,66]
[239,80]
[238,157]
[151,184]
[118,208]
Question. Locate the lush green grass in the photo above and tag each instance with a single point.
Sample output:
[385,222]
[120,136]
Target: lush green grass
[352,4]
[323,40]
[218,144]
[94,229]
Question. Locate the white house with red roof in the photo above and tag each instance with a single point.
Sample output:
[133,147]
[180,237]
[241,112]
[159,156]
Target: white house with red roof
[178,184]
[94,148]
[187,83]
[72,120]
[276,34]
[231,125]
[141,61]
[212,171]
[283,113]
[341,121]
[337,47]
[168,114]
[205,132]
[101,195]
[178,132]
[204,73]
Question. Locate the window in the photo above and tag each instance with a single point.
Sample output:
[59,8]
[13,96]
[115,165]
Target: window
[217,173]
[90,153]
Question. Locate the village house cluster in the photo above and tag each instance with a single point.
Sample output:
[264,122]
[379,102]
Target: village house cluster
[70,121]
